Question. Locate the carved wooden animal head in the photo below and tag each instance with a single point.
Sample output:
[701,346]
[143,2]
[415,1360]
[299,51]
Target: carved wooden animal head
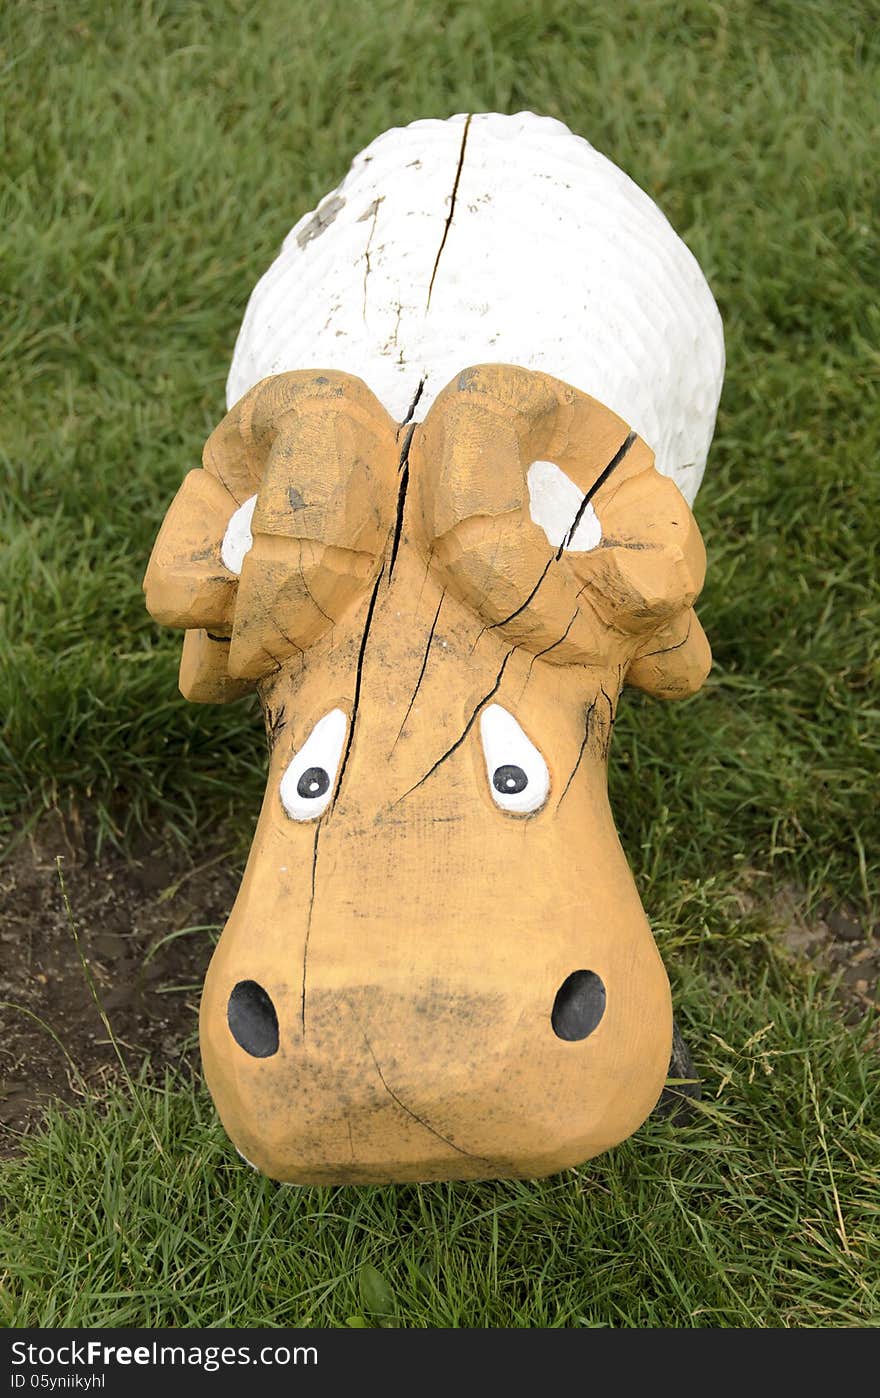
[437,965]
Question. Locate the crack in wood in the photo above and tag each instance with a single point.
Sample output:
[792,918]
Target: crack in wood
[560,639]
[555,558]
[284,636]
[403,468]
[611,720]
[594,489]
[428,561]
[375,213]
[467,728]
[412,407]
[274,724]
[421,672]
[553,644]
[467,127]
[357,685]
[311,596]
[279,663]
[521,608]
[309,926]
[415,1116]
[667,650]
[581,751]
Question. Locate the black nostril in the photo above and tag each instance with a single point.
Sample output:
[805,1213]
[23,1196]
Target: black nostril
[252,1020]
[579,1005]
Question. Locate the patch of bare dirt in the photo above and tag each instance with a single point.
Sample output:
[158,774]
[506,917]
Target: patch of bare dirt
[126,910]
[834,939]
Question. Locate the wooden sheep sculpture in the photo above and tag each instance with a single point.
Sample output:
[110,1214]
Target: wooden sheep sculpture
[445,520]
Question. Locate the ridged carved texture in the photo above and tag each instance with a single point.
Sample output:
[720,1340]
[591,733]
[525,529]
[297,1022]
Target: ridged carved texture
[496,239]
[300,504]
[282,530]
[621,598]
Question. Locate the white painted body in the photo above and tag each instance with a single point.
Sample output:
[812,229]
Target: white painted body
[552,259]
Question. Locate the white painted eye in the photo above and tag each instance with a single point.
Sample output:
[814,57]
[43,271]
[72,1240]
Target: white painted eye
[308,783]
[238,539]
[557,504]
[518,775]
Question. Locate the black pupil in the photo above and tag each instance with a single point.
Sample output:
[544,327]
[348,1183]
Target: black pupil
[313,782]
[509,779]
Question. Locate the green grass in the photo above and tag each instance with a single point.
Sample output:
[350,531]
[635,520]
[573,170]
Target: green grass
[762,1213]
[154,157]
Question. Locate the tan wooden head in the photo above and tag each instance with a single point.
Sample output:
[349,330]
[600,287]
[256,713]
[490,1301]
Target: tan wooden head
[437,965]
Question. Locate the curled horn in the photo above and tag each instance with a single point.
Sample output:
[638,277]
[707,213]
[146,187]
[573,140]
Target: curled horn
[285,525]
[543,512]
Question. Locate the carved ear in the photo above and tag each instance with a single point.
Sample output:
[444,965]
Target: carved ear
[544,513]
[271,542]
[677,665]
